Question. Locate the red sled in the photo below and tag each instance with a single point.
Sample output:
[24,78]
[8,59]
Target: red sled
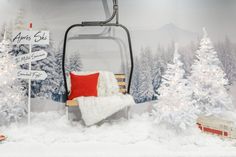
[217,126]
[2,138]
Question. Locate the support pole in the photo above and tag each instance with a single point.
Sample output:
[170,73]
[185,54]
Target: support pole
[29,83]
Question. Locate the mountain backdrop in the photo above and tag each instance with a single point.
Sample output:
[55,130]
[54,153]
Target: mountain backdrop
[163,36]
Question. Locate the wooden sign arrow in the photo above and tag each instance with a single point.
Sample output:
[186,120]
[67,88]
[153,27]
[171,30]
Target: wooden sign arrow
[33,74]
[35,56]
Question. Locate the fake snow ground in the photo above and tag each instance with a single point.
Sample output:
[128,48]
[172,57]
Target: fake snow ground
[51,134]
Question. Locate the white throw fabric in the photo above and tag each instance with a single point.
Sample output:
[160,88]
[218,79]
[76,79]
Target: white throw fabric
[95,109]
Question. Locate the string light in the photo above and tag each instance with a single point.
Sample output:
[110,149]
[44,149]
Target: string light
[10,88]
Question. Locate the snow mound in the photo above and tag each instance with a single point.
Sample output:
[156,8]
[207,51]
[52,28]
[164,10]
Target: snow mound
[53,127]
[52,133]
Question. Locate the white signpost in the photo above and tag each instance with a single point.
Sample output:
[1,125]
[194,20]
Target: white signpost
[35,56]
[30,37]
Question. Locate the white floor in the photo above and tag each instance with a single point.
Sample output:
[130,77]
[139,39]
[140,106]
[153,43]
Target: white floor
[101,149]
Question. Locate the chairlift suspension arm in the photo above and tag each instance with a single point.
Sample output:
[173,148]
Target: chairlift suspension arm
[101,23]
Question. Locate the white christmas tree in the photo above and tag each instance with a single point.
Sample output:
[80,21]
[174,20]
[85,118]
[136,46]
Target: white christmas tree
[174,107]
[5,45]
[209,80]
[11,93]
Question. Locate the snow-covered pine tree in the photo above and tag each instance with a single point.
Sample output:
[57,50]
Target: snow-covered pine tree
[156,74]
[146,86]
[188,55]
[146,64]
[12,100]
[5,45]
[227,56]
[2,31]
[165,56]
[45,88]
[209,80]
[19,25]
[135,86]
[59,94]
[17,50]
[74,62]
[174,107]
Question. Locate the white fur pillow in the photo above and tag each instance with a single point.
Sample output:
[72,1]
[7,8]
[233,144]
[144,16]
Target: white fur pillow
[112,87]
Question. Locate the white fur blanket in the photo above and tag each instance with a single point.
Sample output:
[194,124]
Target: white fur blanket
[96,109]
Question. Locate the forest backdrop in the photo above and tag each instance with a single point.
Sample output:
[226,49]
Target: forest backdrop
[154,31]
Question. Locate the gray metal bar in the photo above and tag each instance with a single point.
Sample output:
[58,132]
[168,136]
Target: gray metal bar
[100,23]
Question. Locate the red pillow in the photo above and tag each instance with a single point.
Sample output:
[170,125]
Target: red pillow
[83,85]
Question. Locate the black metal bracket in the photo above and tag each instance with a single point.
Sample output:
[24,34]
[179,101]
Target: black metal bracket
[107,23]
[101,23]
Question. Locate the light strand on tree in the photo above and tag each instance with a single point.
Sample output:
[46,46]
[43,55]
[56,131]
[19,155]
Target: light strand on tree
[12,96]
[174,107]
[209,80]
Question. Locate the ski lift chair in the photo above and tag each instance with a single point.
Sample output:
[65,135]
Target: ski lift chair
[124,80]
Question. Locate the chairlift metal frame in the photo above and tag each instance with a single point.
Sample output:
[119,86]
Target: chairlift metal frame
[107,23]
